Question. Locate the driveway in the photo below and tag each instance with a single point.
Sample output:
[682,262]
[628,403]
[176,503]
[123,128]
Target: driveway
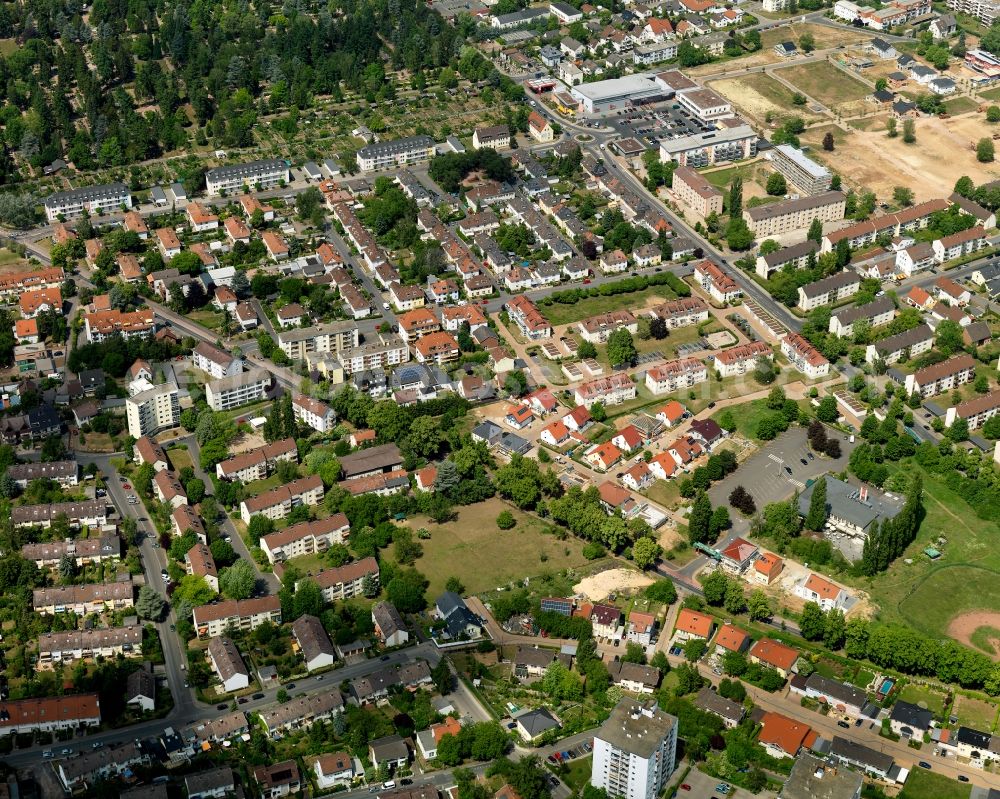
[765,473]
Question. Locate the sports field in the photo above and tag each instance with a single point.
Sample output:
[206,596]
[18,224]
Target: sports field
[956,595]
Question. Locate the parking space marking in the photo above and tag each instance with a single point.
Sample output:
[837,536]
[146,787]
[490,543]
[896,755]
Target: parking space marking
[775,458]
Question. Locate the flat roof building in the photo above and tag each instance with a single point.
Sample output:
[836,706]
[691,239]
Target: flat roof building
[608,95]
[797,167]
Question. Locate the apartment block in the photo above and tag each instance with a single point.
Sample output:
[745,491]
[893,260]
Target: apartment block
[941,377]
[257,463]
[829,290]
[242,389]
[808,176]
[804,356]
[278,503]
[256,175]
[776,219]
[389,351]
[742,358]
[248,614]
[635,750]
[344,582]
[93,200]
[313,413]
[675,375]
[398,152]
[83,599]
[306,538]
[152,411]
[694,191]
[334,337]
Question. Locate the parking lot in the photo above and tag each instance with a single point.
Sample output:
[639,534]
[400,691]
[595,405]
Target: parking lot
[780,468]
[655,122]
[703,787]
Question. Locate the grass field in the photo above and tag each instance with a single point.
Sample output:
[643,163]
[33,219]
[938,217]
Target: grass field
[179,458]
[975,713]
[824,82]
[983,639]
[563,314]
[486,557]
[576,774]
[759,95]
[747,416]
[990,94]
[961,105]
[923,784]
[923,697]
[928,595]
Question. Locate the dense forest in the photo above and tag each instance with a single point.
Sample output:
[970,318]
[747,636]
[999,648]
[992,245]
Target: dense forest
[128,80]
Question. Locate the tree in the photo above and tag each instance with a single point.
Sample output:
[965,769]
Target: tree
[891,128]
[738,234]
[815,231]
[776,184]
[658,328]
[965,187]
[948,337]
[714,588]
[958,431]
[586,350]
[828,143]
[827,410]
[735,204]
[993,113]
[238,581]
[985,151]
[645,552]
[699,520]
[816,518]
[902,196]
[812,622]
[621,348]
[807,43]
[758,605]
[150,605]
[741,499]
[506,520]
[663,591]
[909,131]
[694,649]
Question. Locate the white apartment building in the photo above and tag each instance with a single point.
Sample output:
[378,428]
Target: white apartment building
[775,219]
[278,503]
[941,377]
[344,582]
[153,410]
[215,362]
[390,351]
[742,359]
[675,375]
[799,169]
[240,389]
[247,614]
[334,337]
[313,413]
[804,356]
[398,152]
[253,174]
[305,538]
[94,200]
[829,290]
[705,104]
[635,751]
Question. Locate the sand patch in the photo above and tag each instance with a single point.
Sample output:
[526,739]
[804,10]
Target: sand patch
[963,626]
[599,586]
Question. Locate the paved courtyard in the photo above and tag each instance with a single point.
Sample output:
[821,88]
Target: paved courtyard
[765,474]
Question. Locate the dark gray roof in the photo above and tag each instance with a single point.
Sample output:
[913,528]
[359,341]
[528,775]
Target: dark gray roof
[843,501]
[792,253]
[812,778]
[847,694]
[866,757]
[89,193]
[974,738]
[911,715]
[870,310]
[448,603]
[831,283]
[905,339]
[709,700]
[396,146]
[537,721]
[788,206]
[636,728]
[383,457]
[250,169]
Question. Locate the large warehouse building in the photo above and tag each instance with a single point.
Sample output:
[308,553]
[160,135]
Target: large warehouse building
[603,96]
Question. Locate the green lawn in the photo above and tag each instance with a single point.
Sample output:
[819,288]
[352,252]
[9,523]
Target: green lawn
[826,83]
[984,637]
[563,314]
[923,784]
[576,774]
[990,94]
[179,458]
[206,317]
[260,486]
[924,697]
[747,416]
[975,713]
[485,557]
[928,595]
[664,492]
[960,105]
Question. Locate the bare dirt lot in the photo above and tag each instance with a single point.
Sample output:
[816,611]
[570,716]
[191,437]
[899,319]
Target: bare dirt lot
[963,629]
[599,586]
[930,166]
[758,95]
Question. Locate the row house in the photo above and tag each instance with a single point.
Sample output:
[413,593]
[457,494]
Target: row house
[278,503]
[719,285]
[257,463]
[742,358]
[65,473]
[48,554]
[916,217]
[941,377]
[804,356]
[306,538]
[73,645]
[89,513]
[211,621]
[958,244]
[185,519]
[83,599]
[675,375]
[302,712]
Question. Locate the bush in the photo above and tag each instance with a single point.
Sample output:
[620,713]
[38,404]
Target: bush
[506,520]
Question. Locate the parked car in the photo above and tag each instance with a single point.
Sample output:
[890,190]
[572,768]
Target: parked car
[924,764]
